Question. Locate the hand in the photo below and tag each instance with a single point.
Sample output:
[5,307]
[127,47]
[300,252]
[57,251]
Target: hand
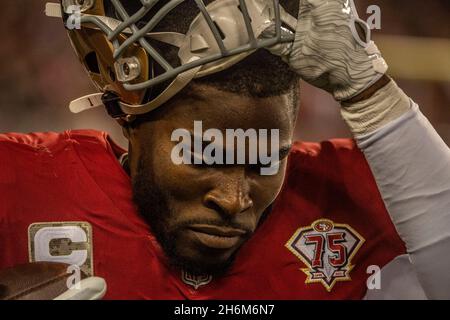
[48,281]
[332,49]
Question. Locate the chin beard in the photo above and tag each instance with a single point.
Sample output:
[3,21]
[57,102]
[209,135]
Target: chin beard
[153,206]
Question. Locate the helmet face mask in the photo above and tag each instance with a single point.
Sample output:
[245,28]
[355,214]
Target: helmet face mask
[113,40]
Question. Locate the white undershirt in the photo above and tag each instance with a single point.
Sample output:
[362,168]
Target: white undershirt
[411,166]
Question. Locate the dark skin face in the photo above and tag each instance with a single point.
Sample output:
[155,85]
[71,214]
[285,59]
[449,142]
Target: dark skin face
[203,214]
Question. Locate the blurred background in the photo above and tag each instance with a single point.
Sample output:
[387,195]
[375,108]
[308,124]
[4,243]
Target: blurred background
[40,73]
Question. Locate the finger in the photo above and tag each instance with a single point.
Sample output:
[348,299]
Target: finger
[282,50]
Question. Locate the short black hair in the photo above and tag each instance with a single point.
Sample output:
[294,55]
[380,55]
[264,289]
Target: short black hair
[261,74]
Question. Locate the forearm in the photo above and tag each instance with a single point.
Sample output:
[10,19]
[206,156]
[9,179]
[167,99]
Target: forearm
[411,165]
[332,50]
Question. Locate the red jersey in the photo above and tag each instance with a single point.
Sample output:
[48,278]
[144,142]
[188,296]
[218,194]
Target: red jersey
[66,198]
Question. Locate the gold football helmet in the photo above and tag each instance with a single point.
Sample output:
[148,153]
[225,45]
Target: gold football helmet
[113,40]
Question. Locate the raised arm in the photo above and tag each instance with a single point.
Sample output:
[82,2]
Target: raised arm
[410,162]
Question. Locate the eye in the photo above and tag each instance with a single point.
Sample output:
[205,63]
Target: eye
[256,168]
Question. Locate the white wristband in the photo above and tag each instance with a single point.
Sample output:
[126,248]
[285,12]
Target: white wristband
[386,105]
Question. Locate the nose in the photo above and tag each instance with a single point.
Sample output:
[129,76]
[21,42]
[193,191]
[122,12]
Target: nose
[231,196]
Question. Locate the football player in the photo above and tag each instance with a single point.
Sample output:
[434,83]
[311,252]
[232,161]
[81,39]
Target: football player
[332,214]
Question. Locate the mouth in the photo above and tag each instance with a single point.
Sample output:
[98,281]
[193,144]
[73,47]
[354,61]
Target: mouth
[217,237]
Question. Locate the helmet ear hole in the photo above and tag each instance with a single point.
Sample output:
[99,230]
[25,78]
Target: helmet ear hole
[91,62]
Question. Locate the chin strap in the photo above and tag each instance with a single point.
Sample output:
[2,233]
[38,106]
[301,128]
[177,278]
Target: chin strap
[118,109]
[181,81]
[90,101]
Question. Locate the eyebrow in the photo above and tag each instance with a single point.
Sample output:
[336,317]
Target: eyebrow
[283,152]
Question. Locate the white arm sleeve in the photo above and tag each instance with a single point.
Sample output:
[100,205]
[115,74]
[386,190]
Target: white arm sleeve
[411,166]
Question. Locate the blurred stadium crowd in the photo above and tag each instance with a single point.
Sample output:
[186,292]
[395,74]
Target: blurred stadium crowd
[40,73]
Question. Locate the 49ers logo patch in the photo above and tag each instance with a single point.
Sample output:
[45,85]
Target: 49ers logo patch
[326,248]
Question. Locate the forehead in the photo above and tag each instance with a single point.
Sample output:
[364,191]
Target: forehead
[226,110]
